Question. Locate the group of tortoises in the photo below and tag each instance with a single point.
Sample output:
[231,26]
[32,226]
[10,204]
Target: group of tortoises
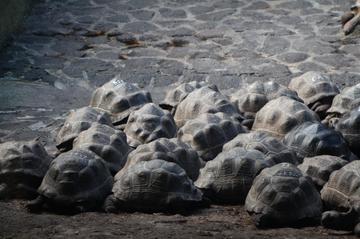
[289,154]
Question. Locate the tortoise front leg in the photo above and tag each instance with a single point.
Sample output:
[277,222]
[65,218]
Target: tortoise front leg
[36,205]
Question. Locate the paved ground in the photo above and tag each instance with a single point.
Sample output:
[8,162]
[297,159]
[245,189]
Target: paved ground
[69,47]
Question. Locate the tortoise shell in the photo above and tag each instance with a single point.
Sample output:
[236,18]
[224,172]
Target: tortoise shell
[108,143]
[119,98]
[148,123]
[155,185]
[76,177]
[209,132]
[275,151]
[280,116]
[282,196]
[349,127]
[348,99]
[316,90]
[170,150]
[228,177]
[176,95]
[252,98]
[342,189]
[78,121]
[204,100]
[23,165]
[311,139]
[319,168]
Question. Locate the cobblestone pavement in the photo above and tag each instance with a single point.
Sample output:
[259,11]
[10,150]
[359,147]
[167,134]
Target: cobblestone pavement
[69,47]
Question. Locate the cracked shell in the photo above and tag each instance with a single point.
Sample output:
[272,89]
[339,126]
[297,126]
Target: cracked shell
[149,123]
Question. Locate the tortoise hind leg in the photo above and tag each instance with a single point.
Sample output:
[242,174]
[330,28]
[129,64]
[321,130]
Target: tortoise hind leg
[36,205]
[110,204]
[340,220]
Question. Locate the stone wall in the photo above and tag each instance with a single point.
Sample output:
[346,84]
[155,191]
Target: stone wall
[12,13]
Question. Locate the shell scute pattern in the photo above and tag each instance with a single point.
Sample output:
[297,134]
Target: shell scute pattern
[119,98]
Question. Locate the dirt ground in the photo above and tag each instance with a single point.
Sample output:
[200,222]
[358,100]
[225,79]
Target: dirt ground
[214,222]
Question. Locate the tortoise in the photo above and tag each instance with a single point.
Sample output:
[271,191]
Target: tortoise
[23,165]
[348,99]
[170,150]
[78,121]
[176,95]
[154,186]
[77,181]
[108,143]
[311,139]
[281,115]
[316,90]
[228,177]
[249,100]
[341,195]
[319,168]
[209,132]
[204,100]
[351,19]
[349,127]
[119,98]
[275,151]
[282,196]
[148,123]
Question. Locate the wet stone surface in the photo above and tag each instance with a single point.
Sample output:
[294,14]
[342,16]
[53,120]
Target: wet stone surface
[68,48]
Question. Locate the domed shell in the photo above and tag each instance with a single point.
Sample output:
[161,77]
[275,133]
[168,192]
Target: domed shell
[204,100]
[170,150]
[320,167]
[348,98]
[149,123]
[175,95]
[349,127]
[23,165]
[108,143]
[312,139]
[342,189]
[119,98]
[155,185]
[282,196]
[280,116]
[316,90]
[228,177]
[252,98]
[209,132]
[78,121]
[274,150]
[76,177]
